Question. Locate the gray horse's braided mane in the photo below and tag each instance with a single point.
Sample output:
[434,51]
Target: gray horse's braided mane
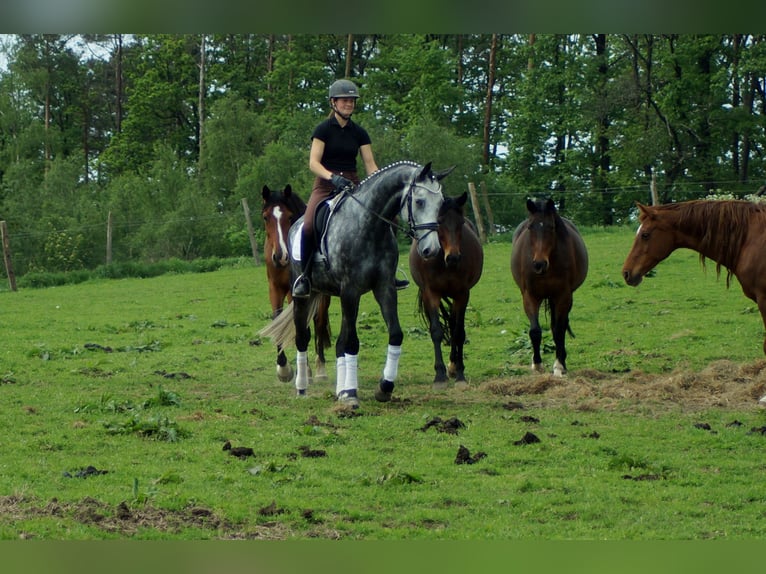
[390,166]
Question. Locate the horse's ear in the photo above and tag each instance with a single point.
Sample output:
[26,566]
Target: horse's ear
[265,193]
[424,172]
[288,191]
[531,206]
[462,199]
[440,175]
[550,206]
[643,209]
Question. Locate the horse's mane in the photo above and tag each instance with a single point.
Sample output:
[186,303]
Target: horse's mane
[390,166]
[720,225]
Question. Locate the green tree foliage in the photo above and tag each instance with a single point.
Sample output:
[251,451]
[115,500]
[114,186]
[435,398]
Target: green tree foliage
[146,131]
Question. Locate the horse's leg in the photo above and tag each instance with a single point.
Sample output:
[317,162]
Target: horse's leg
[276,297]
[532,309]
[385,295]
[559,326]
[457,324]
[321,336]
[348,344]
[761,300]
[431,308]
[302,338]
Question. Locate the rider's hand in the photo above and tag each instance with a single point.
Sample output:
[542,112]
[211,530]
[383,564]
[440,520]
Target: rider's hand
[340,182]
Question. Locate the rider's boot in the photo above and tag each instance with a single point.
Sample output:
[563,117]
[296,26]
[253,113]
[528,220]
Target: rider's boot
[302,285]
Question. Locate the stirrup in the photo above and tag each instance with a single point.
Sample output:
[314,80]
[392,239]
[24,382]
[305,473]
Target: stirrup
[301,287]
[401,284]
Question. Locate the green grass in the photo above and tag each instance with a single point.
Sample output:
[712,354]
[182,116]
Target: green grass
[148,378]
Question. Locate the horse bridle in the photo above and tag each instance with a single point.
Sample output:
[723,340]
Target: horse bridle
[413,228]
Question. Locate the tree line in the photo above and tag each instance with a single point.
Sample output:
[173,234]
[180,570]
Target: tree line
[167,133]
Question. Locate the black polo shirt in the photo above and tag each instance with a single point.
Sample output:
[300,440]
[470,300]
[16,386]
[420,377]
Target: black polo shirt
[341,144]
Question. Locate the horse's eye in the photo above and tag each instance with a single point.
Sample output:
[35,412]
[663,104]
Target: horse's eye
[645,235]
[420,203]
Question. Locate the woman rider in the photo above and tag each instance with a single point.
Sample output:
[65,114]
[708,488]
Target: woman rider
[335,143]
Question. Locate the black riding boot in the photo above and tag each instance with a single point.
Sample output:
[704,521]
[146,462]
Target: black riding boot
[302,285]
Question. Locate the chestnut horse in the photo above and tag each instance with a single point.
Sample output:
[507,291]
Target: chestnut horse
[280,210]
[445,285]
[732,233]
[549,262]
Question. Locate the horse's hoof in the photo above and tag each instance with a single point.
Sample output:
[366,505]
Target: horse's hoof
[348,399]
[440,385]
[285,375]
[384,391]
[559,370]
[461,385]
[538,368]
[301,393]
[762,401]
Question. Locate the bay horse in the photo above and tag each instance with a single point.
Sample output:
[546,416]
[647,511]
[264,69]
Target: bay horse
[444,286]
[549,261]
[280,209]
[358,253]
[730,232]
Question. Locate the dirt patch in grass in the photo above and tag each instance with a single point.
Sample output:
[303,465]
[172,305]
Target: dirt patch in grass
[721,384]
[127,521]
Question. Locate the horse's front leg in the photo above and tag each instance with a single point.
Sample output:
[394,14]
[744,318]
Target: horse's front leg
[559,326]
[532,309]
[385,295]
[457,324]
[431,308]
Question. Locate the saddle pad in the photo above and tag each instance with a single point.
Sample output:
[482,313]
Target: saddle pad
[296,246]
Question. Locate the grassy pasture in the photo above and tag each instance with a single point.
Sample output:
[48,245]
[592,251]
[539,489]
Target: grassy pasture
[650,436]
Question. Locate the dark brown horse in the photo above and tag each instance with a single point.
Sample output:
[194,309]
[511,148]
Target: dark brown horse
[445,284]
[731,233]
[280,210]
[549,261]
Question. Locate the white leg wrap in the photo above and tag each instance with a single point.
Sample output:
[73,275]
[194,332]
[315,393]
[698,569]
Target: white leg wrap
[351,381]
[392,363]
[302,371]
[340,374]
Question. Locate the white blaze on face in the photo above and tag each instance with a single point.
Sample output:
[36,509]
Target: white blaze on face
[277,214]
[638,231]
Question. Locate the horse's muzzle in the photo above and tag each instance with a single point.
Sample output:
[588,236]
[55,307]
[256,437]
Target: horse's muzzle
[630,279]
[540,266]
[452,259]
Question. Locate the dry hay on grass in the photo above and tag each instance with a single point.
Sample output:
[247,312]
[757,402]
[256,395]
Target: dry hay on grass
[722,384]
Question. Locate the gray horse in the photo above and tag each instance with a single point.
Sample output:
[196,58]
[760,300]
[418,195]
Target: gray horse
[358,253]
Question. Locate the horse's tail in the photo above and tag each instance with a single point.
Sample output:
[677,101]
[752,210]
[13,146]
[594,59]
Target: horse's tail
[445,310]
[281,330]
[322,334]
[551,308]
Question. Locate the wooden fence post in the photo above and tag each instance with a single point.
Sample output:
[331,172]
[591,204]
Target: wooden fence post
[653,188]
[109,239]
[487,208]
[250,232]
[476,212]
[7,256]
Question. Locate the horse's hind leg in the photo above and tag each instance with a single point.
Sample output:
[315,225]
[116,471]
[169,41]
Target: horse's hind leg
[302,338]
[560,326]
[284,370]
